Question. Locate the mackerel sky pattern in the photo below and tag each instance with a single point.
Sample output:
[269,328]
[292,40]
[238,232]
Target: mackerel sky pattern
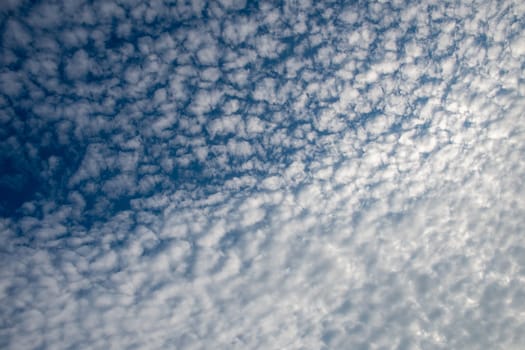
[262,174]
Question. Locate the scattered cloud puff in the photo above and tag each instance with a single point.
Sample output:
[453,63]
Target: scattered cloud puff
[247,175]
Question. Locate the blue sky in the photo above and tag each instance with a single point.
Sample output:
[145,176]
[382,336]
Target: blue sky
[262,174]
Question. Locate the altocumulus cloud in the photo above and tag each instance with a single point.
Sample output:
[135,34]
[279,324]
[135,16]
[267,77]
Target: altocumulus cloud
[262,175]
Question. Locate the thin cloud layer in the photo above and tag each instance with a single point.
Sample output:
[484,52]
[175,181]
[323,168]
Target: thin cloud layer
[246,175]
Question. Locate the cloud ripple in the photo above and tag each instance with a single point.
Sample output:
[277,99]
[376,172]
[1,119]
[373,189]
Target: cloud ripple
[254,175]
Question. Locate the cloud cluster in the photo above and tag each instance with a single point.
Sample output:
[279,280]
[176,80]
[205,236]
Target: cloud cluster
[246,175]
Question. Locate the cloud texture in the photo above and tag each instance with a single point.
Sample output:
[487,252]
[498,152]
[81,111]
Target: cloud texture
[262,175]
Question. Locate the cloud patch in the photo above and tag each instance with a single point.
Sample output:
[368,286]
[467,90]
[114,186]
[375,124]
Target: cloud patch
[251,175]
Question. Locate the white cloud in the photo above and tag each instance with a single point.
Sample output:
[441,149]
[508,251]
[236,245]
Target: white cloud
[239,148]
[225,125]
[268,47]
[306,176]
[207,55]
[205,101]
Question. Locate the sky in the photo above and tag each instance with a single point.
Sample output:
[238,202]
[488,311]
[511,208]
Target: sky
[238,174]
